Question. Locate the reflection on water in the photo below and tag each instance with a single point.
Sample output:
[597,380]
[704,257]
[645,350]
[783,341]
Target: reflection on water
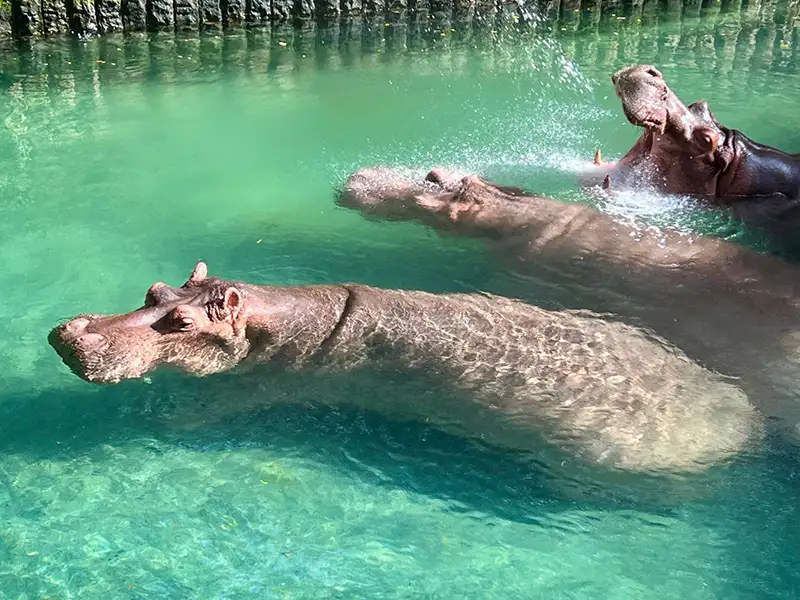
[124,159]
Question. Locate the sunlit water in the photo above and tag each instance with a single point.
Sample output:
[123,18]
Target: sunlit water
[125,160]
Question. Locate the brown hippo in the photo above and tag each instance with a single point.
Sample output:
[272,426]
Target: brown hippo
[603,390]
[685,150]
[734,310]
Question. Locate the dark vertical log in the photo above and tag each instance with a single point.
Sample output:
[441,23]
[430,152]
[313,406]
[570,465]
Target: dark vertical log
[26,17]
[134,15]
[233,12]
[160,14]
[282,10]
[350,7]
[54,17]
[109,15]
[327,9]
[210,14]
[82,16]
[187,15]
[303,9]
[258,12]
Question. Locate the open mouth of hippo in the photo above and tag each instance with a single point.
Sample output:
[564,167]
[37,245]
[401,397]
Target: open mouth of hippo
[646,98]
[654,119]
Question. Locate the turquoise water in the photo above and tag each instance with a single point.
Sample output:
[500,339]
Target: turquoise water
[126,159]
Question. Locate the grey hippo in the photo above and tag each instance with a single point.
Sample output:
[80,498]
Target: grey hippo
[730,308]
[603,391]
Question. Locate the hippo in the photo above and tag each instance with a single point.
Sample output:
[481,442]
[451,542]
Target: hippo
[606,392]
[730,308]
[685,150]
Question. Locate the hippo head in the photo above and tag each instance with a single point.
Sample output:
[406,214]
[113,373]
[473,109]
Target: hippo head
[386,193]
[443,199]
[648,102]
[198,328]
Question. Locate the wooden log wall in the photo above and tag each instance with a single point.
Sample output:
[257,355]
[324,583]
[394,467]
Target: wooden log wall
[26,18]
[752,39]
[23,18]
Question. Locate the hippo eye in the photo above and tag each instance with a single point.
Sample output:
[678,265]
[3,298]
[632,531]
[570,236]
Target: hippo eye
[182,322]
[149,299]
[154,294]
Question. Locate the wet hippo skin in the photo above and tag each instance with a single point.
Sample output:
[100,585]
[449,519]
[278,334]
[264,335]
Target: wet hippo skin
[686,150]
[734,310]
[600,390]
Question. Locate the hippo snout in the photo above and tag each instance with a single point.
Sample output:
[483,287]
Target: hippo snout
[445,179]
[75,326]
[650,70]
[74,329]
[374,188]
[91,342]
[644,71]
[73,336]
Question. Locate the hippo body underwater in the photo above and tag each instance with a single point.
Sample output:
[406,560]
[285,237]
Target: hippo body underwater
[601,390]
[686,150]
[732,309]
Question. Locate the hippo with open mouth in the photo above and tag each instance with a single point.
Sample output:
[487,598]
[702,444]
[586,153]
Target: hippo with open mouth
[604,391]
[685,150]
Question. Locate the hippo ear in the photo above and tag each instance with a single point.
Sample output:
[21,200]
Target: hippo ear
[706,139]
[199,274]
[233,303]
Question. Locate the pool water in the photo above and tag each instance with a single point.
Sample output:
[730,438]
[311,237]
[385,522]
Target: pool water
[125,159]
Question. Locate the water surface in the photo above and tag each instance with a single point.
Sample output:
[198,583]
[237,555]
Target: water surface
[124,160]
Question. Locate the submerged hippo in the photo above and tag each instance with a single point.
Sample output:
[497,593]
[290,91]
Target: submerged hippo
[603,390]
[729,307]
[685,150]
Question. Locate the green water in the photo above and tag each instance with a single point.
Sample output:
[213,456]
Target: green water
[125,160]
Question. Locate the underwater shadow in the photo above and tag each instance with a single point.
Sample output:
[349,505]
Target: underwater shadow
[299,414]
[310,415]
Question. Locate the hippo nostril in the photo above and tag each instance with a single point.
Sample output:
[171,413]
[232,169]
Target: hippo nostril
[75,326]
[654,72]
[435,176]
[91,341]
[614,78]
